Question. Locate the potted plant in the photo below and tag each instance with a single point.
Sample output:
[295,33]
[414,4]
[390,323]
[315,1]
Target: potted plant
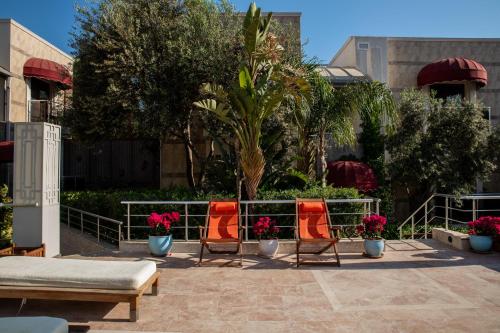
[160,237]
[482,231]
[266,232]
[371,232]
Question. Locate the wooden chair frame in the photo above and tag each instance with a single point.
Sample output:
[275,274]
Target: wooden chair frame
[14,250]
[205,242]
[76,294]
[329,243]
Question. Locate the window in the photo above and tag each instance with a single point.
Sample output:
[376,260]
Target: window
[448,90]
[363,46]
[39,104]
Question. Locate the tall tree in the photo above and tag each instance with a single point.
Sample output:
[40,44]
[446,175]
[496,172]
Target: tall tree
[440,146]
[139,64]
[331,111]
[375,105]
[264,82]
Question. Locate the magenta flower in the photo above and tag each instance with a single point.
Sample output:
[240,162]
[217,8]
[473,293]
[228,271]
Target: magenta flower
[161,224]
[372,226]
[265,228]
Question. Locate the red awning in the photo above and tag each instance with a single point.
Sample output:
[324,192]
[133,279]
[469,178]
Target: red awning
[453,69]
[6,151]
[352,174]
[48,70]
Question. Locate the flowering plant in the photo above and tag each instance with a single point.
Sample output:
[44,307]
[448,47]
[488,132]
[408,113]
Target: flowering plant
[161,224]
[372,227]
[485,226]
[265,228]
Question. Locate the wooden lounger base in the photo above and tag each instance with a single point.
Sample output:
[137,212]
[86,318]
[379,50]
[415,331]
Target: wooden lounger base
[329,245]
[319,263]
[94,295]
[206,245]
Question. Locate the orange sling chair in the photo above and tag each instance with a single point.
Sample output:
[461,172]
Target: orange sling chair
[313,226]
[222,226]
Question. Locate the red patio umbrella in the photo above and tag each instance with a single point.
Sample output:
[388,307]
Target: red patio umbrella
[352,174]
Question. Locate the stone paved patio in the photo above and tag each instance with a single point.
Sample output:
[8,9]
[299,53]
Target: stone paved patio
[416,287]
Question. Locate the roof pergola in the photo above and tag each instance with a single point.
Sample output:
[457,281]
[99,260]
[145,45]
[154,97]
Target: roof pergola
[341,76]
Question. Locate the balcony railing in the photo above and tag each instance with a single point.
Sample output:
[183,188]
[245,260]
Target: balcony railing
[45,111]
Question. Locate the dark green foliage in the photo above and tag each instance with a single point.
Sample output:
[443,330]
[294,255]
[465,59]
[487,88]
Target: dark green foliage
[5,217]
[442,147]
[372,142]
[139,64]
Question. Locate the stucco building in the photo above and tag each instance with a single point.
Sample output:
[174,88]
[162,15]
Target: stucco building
[469,67]
[34,75]
[35,81]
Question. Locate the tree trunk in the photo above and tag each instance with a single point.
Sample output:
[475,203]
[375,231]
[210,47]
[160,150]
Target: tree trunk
[322,158]
[252,163]
[203,163]
[238,169]
[189,154]
[305,164]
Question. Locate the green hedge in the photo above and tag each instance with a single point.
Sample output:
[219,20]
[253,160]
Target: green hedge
[107,203]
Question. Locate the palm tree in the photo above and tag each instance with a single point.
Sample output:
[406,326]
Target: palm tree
[263,84]
[332,110]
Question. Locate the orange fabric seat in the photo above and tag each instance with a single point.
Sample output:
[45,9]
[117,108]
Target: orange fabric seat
[313,221]
[222,226]
[313,225]
[223,221]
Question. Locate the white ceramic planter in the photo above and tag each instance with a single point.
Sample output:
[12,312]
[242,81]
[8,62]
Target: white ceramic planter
[268,247]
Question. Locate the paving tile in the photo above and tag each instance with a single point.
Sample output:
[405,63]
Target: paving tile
[416,287]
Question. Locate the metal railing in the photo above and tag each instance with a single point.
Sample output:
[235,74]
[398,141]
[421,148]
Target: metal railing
[101,227]
[47,110]
[193,214]
[448,211]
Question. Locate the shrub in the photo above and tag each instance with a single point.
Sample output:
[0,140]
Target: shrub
[5,217]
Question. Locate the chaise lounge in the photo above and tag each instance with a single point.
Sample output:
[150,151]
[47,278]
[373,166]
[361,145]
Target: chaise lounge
[314,231]
[222,229]
[78,280]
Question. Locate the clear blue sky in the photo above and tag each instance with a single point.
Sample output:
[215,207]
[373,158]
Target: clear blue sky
[326,24]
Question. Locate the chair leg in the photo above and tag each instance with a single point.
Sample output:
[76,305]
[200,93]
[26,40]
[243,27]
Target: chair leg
[297,253]
[201,254]
[154,287]
[336,254]
[134,309]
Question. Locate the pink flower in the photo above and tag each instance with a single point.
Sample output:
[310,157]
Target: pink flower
[372,226]
[485,226]
[161,224]
[154,219]
[265,228]
[175,216]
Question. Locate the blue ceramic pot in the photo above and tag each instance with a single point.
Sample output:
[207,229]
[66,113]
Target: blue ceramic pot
[481,243]
[160,245]
[374,247]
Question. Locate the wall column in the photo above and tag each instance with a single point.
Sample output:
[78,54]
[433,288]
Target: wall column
[37,152]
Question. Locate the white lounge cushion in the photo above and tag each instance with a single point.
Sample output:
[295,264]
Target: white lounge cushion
[74,273]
